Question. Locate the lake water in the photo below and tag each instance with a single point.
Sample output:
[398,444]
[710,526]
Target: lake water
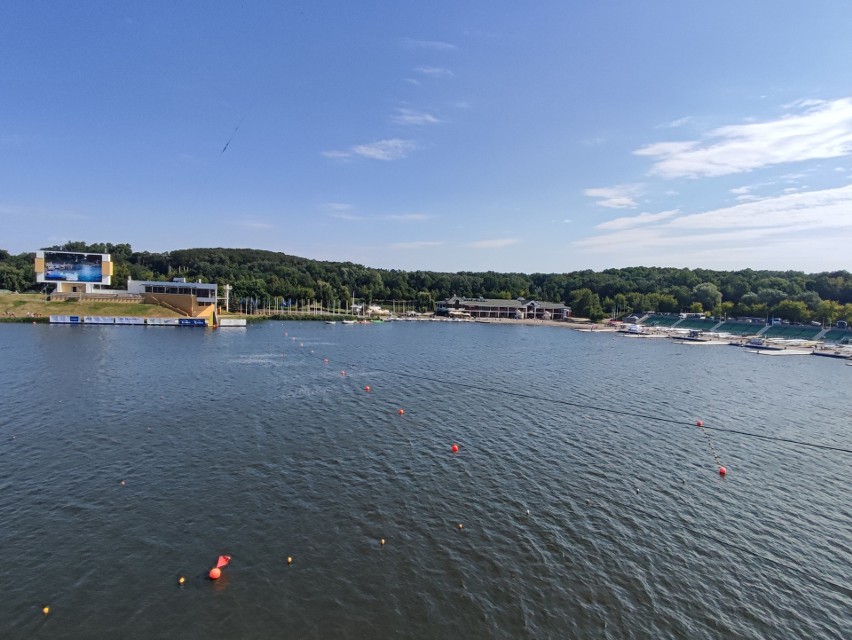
[591,505]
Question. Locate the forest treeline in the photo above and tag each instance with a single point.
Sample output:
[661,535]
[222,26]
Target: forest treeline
[261,276]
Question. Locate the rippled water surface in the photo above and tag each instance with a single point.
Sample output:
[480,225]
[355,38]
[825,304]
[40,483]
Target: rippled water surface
[589,504]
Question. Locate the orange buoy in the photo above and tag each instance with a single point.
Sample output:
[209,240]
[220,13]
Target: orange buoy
[215,573]
[698,423]
[722,471]
[367,388]
[401,411]
[455,448]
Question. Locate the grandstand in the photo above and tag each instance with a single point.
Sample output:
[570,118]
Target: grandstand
[659,320]
[792,332]
[839,336]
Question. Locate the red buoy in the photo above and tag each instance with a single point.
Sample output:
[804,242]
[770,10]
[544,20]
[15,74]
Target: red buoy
[215,573]
[343,373]
[699,423]
[722,471]
[367,388]
[325,360]
[455,448]
[401,411]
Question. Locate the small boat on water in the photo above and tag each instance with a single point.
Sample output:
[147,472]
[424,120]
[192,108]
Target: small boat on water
[331,322]
[347,322]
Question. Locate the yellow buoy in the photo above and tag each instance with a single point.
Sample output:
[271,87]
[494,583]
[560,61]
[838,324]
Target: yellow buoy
[382,542]
[289,560]
[461,526]
[45,610]
[181,580]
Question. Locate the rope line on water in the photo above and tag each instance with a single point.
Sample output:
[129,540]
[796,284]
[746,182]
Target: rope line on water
[632,507]
[621,412]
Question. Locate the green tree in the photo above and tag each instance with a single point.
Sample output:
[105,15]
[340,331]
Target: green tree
[708,295]
[792,310]
[829,311]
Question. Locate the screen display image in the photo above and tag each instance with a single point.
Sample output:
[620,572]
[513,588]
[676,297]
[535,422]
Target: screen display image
[72,267]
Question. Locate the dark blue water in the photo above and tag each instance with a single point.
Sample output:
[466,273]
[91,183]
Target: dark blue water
[585,514]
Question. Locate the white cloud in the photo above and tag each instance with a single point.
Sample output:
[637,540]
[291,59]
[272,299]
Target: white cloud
[391,149]
[798,211]
[434,45]
[254,224]
[807,229]
[337,206]
[617,197]
[675,124]
[822,130]
[497,243]
[629,222]
[435,72]
[410,116]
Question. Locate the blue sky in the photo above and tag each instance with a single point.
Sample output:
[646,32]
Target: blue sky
[542,136]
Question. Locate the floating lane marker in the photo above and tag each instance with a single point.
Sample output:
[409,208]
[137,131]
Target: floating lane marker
[722,470]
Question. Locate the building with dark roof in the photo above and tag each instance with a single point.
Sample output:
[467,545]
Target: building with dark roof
[518,309]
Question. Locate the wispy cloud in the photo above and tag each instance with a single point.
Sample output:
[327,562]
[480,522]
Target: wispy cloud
[435,72]
[391,149]
[676,124]
[410,116]
[340,210]
[616,197]
[822,129]
[343,211]
[629,222]
[803,222]
[434,45]
[496,243]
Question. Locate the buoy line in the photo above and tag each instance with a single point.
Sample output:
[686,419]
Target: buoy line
[630,506]
[622,412]
[343,375]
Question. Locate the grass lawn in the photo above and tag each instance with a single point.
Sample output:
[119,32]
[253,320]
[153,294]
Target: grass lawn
[29,305]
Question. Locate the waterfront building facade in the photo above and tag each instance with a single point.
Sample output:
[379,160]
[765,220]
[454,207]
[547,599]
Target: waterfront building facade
[518,309]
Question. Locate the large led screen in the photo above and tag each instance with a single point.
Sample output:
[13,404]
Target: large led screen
[63,266]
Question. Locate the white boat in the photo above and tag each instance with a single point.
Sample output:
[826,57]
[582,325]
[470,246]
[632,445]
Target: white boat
[331,322]
[347,322]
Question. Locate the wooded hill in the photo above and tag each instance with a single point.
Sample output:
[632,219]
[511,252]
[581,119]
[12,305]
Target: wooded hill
[267,275]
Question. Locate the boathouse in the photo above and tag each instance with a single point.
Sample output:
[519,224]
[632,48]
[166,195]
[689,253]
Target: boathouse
[518,309]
